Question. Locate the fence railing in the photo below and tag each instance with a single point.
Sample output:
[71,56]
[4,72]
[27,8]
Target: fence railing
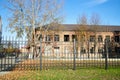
[15,55]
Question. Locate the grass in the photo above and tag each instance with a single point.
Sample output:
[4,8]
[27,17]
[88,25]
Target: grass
[79,74]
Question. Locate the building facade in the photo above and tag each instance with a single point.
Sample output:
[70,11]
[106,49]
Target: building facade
[89,40]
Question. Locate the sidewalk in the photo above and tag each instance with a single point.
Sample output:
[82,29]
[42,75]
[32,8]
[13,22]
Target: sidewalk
[4,72]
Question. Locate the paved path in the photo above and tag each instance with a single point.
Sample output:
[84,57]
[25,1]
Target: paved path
[4,72]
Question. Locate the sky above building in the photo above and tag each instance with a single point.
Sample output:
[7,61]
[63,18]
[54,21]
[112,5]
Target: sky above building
[108,11]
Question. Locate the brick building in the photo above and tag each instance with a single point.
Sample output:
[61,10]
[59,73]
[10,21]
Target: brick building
[90,40]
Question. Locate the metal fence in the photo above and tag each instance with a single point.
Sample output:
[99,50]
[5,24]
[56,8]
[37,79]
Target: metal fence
[15,55]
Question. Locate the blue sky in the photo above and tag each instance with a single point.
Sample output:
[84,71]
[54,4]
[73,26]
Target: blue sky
[108,10]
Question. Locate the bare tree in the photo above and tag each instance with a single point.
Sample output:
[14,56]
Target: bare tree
[82,33]
[95,22]
[29,14]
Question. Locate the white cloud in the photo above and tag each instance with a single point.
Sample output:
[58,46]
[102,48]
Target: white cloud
[101,1]
[92,3]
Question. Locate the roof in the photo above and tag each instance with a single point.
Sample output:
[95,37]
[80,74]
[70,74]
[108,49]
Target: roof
[73,27]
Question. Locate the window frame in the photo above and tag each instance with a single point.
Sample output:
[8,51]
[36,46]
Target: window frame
[117,38]
[74,36]
[100,50]
[92,50]
[66,38]
[56,37]
[83,50]
[92,38]
[48,38]
[108,39]
[100,38]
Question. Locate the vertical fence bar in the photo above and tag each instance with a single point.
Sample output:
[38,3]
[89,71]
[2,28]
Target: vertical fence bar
[40,52]
[88,50]
[106,55]
[74,55]
[2,41]
[11,53]
[1,65]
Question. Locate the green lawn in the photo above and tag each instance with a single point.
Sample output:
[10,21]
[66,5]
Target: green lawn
[80,74]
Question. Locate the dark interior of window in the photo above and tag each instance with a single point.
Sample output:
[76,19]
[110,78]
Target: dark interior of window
[100,39]
[117,38]
[92,38]
[83,50]
[56,38]
[66,38]
[56,47]
[100,50]
[74,37]
[108,38]
[92,50]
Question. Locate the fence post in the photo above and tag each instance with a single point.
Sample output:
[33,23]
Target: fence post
[40,52]
[88,50]
[106,54]
[74,55]
[1,64]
